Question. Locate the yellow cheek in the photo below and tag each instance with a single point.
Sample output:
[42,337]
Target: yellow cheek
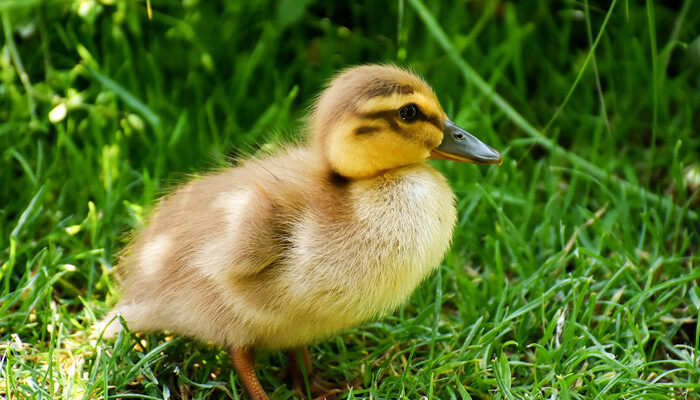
[431,136]
[366,155]
[389,149]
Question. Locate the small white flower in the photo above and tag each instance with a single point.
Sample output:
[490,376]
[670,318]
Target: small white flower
[560,327]
[58,113]
[86,7]
[69,267]
[691,178]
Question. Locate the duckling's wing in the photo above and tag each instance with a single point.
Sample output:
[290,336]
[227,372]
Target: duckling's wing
[202,239]
[248,233]
[217,226]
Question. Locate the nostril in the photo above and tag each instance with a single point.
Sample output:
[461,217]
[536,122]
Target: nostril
[458,135]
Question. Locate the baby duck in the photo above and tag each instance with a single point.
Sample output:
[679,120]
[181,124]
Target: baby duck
[292,247]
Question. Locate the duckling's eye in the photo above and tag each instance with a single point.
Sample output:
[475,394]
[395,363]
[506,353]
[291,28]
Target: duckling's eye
[409,113]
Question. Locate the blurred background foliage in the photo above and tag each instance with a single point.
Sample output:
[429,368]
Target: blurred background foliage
[105,104]
[201,80]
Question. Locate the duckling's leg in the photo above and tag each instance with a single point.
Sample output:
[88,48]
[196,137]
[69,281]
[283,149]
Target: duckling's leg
[242,360]
[317,386]
[295,373]
[294,366]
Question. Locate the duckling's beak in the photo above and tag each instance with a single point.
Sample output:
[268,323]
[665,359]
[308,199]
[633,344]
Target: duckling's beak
[460,145]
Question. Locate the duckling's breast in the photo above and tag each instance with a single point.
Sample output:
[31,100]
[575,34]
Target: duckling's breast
[406,219]
[394,230]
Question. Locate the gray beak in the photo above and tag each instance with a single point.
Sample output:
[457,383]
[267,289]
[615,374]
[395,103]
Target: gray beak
[460,145]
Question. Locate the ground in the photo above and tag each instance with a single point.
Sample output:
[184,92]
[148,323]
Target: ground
[573,272]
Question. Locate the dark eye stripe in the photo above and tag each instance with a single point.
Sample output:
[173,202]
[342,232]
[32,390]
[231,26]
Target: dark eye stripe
[431,119]
[388,115]
[391,117]
[365,129]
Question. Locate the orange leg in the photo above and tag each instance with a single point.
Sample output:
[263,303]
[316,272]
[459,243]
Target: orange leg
[294,367]
[294,372]
[317,386]
[307,360]
[242,360]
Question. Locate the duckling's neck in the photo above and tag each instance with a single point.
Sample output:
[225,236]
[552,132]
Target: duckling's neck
[385,174]
[336,178]
[360,169]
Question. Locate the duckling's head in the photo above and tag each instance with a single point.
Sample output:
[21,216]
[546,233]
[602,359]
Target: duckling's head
[375,118]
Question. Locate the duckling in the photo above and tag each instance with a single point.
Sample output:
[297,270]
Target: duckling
[292,247]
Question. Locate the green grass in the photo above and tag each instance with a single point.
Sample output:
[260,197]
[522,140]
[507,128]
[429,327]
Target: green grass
[574,272]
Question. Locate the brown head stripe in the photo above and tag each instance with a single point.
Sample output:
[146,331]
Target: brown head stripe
[387,88]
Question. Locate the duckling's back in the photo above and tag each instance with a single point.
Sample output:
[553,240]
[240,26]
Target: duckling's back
[278,251]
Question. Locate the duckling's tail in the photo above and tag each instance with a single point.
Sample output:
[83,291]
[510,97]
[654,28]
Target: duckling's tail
[111,324]
[108,327]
